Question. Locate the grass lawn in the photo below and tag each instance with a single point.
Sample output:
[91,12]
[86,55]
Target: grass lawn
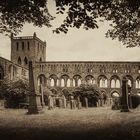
[100,123]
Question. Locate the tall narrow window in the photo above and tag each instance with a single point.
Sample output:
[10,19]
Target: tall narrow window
[17,46]
[1,73]
[19,61]
[25,61]
[28,46]
[23,46]
[38,47]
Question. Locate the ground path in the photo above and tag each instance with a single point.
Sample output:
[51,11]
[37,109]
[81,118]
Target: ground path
[92,123]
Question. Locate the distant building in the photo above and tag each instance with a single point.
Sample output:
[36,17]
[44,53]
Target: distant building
[66,74]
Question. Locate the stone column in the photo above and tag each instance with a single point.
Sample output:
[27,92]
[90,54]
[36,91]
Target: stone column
[86,102]
[124,98]
[71,82]
[42,95]
[34,99]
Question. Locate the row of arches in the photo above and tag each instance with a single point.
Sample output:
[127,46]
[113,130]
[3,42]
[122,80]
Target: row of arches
[76,80]
[25,61]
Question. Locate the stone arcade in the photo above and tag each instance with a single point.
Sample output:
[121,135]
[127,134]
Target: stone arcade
[65,74]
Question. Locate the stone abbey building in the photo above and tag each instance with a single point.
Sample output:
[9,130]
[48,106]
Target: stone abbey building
[65,74]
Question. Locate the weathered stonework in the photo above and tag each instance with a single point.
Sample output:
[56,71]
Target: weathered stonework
[67,74]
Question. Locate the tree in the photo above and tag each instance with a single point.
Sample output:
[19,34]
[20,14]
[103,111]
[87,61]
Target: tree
[14,92]
[124,15]
[89,91]
[14,13]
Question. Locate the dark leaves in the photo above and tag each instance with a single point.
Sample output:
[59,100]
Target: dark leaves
[17,12]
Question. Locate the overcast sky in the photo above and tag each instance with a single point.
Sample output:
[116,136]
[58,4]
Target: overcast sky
[77,44]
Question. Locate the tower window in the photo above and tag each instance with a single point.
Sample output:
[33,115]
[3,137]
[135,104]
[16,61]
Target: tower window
[28,46]
[19,61]
[17,46]
[38,47]
[25,61]
[40,59]
[22,45]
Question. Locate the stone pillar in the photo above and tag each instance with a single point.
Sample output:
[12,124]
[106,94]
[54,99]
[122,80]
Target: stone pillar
[34,99]
[86,102]
[124,98]
[71,82]
[59,82]
[64,102]
[42,95]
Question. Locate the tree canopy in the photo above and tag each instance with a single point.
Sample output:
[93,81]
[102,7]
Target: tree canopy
[87,90]
[15,13]
[124,15]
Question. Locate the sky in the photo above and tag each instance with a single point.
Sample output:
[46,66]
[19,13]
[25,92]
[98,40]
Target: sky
[76,45]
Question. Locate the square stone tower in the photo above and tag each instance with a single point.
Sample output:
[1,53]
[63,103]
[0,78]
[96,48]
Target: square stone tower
[26,48]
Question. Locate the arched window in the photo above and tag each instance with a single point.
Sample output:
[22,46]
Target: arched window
[68,83]
[62,83]
[115,94]
[112,83]
[129,82]
[23,46]
[115,82]
[28,45]
[17,44]
[79,82]
[25,61]
[74,83]
[138,82]
[52,82]
[1,73]
[19,61]
[103,82]
[40,59]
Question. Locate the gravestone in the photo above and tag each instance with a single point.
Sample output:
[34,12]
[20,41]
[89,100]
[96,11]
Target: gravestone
[124,98]
[34,99]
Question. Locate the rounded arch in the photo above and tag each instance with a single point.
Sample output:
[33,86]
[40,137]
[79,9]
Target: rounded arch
[137,82]
[130,80]
[54,91]
[1,73]
[25,61]
[90,79]
[115,94]
[66,93]
[19,60]
[65,81]
[102,81]
[115,81]
[77,80]
[41,82]
[53,80]
[41,79]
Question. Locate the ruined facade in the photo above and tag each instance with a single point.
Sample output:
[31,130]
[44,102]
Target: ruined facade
[69,74]
[12,71]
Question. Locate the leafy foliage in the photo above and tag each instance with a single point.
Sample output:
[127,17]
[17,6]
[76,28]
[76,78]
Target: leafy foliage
[124,14]
[87,90]
[13,92]
[14,13]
